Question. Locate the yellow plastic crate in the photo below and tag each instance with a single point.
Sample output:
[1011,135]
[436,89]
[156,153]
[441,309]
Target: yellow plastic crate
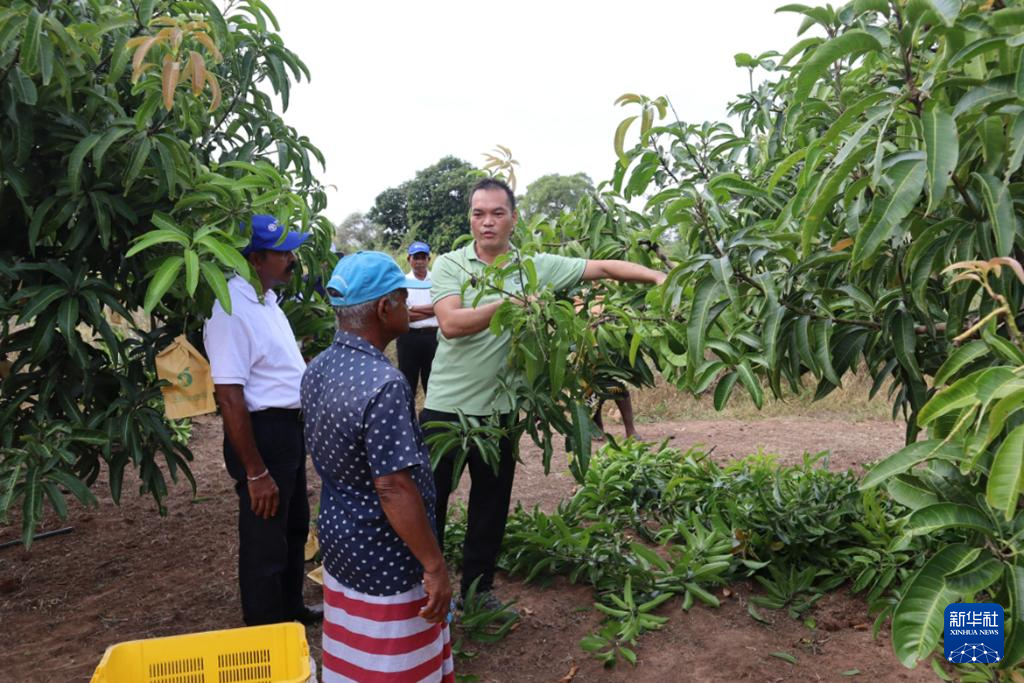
[277,653]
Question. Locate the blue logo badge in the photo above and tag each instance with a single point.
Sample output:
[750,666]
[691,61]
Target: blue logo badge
[974,633]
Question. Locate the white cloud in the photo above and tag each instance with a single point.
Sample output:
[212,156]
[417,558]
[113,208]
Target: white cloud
[398,85]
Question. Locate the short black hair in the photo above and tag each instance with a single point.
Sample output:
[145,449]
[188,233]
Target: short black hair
[494,184]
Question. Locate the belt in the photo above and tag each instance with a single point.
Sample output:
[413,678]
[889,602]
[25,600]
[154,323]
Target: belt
[423,330]
[294,414]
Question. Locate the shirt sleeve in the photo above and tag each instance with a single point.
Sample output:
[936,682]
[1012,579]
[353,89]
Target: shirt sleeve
[444,279]
[390,434]
[229,347]
[559,272]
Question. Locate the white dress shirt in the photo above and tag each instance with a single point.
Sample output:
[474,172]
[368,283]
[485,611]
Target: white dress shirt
[420,297]
[254,347]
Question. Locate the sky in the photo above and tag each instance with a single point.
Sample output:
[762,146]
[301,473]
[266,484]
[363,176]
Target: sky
[398,85]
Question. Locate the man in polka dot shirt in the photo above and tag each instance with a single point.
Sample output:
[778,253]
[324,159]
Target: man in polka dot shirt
[382,561]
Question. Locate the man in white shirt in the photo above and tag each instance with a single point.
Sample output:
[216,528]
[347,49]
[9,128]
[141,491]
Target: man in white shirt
[416,347]
[257,370]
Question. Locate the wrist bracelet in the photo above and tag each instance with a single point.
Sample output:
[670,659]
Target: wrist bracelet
[259,476]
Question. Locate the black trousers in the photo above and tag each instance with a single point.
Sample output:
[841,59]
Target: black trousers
[489,497]
[416,350]
[271,552]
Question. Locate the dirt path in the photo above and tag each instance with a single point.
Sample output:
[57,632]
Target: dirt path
[127,573]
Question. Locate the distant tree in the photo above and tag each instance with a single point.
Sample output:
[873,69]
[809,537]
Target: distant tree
[432,207]
[357,232]
[555,194]
[437,201]
[389,212]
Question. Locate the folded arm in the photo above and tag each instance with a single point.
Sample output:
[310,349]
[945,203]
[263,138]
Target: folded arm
[456,321]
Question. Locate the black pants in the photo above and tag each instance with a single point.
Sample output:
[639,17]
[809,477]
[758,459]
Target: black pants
[271,552]
[489,497]
[416,350]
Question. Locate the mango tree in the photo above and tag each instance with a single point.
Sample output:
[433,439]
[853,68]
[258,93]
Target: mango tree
[135,138]
[862,215]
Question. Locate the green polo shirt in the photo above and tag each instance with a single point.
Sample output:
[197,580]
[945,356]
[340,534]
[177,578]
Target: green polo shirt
[464,373]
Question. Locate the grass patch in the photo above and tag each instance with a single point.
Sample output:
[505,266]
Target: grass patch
[665,402]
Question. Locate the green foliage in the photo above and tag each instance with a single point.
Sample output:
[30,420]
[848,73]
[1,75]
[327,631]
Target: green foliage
[864,214]
[431,207]
[135,138]
[357,232]
[554,194]
[800,531]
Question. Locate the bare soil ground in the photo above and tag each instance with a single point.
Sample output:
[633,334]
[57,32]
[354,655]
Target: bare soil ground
[126,573]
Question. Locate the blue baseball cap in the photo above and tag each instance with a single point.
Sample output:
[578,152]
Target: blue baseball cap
[367,276]
[419,248]
[266,233]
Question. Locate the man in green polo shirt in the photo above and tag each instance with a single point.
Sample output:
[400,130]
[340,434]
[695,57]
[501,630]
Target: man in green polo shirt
[470,358]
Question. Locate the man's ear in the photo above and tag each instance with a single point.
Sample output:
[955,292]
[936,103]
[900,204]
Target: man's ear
[383,308]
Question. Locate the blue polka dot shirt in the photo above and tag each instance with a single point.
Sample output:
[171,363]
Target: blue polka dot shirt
[361,424]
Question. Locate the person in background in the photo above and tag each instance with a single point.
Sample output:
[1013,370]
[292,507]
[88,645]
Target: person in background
[618,392]
[257,367]
[386,589]
[416,347]
[470,358]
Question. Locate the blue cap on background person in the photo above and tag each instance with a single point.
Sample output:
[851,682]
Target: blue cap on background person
[266,233]
[419,248]
[367,276]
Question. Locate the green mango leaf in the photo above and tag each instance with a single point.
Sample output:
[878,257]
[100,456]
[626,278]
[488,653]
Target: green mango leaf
[904,341]
[977,577]
[942,145]
[917,621]
[999,206]
[40,301]
[191,271]
[827,195]
[104,143]
[23,87]
[76,159]
[620,140]
[751,383]
[941,516]
[580,440]
[1006,476]
[1013,651]
[770,333]
[67,318]
[965,392]
[29,52]
[906,491]
[907,179]
[706,295]
[155,237]
[946,10]
[724,389]
[226,254]
[556,369]
[909,457]
[960,358]
[163,278]
[652,558]
[215,279]
[850,43]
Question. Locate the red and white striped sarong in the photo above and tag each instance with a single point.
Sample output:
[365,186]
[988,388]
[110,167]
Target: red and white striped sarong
[382,639]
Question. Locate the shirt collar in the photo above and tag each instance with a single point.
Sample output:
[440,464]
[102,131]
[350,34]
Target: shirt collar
[242,286]
[357,343]
[412,276]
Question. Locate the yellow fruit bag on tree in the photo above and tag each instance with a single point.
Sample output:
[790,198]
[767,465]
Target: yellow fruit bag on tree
[190,391]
